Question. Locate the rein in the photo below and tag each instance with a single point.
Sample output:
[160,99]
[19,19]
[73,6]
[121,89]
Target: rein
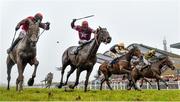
[41,33]
[95,37]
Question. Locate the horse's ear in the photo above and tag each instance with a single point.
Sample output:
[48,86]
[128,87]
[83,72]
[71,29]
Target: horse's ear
[97,30]
[100,27]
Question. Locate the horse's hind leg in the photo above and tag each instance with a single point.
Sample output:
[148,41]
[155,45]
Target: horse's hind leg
[107,81]
[10,64]
[102,81]
[146,81]
[69,73]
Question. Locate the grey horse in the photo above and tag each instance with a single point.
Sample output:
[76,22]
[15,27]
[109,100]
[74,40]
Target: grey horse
[48,80]
[85,59]
[22,54]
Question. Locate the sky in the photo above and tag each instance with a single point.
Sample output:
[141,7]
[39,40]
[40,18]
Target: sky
[130,21]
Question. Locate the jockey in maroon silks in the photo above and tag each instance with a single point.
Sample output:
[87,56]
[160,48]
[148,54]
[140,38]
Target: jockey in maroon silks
[24,24]
[84,34]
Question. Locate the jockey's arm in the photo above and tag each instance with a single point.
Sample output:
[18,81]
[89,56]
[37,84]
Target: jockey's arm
[117,49]
[44,25]
[21,23]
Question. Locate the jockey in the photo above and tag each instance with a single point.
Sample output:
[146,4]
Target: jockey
[118,49]
[136,62]
[84,33]
[24,24]
[148,57]
[150,54]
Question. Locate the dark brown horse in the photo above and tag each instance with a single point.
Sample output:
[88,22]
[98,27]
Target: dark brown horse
[122,66]
[24,52]
[85,59]
[154,71]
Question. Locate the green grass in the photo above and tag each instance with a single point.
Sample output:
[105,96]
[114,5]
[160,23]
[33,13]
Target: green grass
[39,94]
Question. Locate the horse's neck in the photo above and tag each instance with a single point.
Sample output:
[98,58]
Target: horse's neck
[25,43]
[159,64]
[93,47]
[127,57]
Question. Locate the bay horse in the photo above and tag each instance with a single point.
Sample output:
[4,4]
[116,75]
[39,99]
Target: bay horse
[85,59]
[154,71]
[122,66]
[24,52]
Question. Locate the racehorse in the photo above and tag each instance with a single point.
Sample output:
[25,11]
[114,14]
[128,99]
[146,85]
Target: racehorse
[85,59]
[121,66]
[48,80]
[153,71]
[22,54]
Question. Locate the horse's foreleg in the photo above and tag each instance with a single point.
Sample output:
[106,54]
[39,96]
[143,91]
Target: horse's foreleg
[107,82]
[69,73]
[87,78]
[34,62]
[157,80]
[62,74]
[134,85]
[10,64]
[141,82]
[20,78]
[77,78]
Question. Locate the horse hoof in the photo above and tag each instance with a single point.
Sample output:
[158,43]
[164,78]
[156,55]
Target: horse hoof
[30,82]
[59,86]
[138,89]
[71,86]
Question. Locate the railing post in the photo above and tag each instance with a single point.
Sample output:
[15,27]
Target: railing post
[147,85]
[95,85]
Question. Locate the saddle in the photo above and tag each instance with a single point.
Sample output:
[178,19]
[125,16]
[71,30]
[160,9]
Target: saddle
[79,47]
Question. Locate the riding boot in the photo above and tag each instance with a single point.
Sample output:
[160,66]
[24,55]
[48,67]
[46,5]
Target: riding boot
[144,67]
[13,45]
[77,50]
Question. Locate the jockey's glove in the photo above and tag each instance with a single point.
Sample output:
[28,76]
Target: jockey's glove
[74,20]
[47,23]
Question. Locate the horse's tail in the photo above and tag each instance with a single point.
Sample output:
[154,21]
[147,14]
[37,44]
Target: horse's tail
[42,80]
